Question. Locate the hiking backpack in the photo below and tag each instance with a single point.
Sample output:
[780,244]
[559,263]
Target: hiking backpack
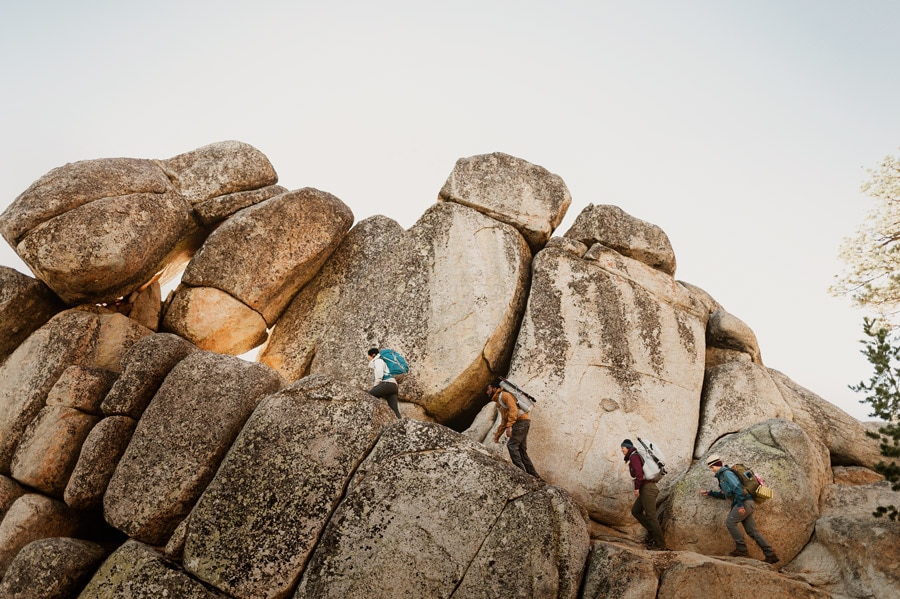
[751,483]
[524,401]
[653,459]
[396,363]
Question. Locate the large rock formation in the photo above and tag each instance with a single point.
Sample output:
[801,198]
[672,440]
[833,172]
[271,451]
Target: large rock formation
[787,460]
[26,304]
[447,294]
[98,230]
[257,523]
[92,338]
[612,348]
[511,190]
[202,475]
[851,553]
[239,282]
[614,228]
[180,441]
[429,512]
[736,395]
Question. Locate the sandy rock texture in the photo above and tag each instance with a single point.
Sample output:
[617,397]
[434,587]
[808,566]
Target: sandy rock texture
[256,524]
[787,459]
[98,230]
[180,441]
[612,348]
[430,512]
[511,190]
[616,229]
[242,278]
[26,304]
[447,294]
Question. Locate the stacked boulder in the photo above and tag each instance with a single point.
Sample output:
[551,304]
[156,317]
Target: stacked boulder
[140,457]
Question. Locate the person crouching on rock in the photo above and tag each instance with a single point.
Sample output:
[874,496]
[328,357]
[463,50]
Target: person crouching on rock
[385,384]
[645,494]
[742,508]
[514,424]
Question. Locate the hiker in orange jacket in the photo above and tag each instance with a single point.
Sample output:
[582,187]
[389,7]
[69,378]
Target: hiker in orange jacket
[514,424]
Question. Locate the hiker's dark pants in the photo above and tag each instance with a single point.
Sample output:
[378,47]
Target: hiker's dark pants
[644,511]
[518,447]
[387,390]
[734,516]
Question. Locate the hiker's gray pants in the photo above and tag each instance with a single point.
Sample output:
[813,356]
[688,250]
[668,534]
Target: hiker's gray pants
[644,510]
[735,517]
[387,390]
[518,447]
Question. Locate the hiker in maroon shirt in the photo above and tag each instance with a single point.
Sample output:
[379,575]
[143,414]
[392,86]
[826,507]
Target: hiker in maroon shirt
[645,495]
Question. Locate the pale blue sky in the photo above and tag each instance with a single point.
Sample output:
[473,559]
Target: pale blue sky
[742,129]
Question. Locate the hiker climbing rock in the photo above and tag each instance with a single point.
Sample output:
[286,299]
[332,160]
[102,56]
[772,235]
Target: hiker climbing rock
[742,508]
[385,385]
[514,424]
[646,493]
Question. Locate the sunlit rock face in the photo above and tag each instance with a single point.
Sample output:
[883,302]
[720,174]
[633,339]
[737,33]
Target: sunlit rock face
[511,190]
[193,473]
[447,294]
[242,278]
[26,304]
[98,230]
[736,394]
[616,229]
[90,338]
[612,349]
[787,459]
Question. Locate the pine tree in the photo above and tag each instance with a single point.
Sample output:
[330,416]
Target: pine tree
[882,350]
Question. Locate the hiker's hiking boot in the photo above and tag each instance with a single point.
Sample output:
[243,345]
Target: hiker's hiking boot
[739,553]
[772,559]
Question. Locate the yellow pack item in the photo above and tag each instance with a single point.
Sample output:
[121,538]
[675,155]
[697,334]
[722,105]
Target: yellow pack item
[764,493]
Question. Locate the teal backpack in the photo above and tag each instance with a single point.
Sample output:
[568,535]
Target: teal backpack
[396,363]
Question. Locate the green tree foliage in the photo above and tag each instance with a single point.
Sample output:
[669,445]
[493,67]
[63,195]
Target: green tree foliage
[882,350]
[872,255]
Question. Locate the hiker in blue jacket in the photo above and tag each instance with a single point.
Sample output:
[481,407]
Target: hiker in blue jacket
[742,508]
[386,386]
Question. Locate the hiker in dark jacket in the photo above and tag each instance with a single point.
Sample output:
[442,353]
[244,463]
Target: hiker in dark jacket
[645,494]
[742,508]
